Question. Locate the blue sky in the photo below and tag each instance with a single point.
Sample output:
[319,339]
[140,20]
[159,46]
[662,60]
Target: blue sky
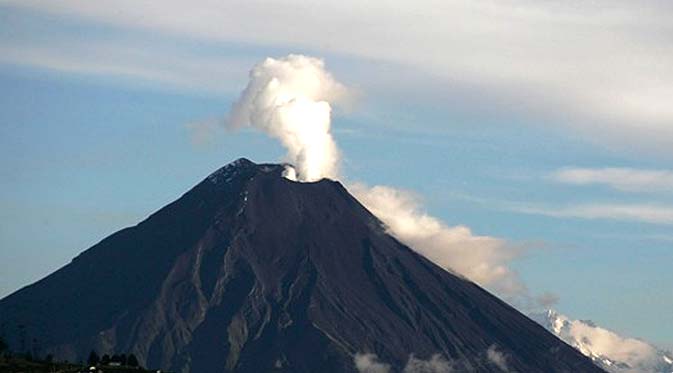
[95,129]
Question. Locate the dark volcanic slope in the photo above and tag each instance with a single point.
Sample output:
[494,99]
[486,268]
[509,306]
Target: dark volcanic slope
[251,272]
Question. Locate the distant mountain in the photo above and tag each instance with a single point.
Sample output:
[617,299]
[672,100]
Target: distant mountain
[607,349]
[251,272]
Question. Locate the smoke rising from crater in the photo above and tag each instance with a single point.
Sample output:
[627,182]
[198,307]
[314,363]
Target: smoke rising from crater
[289,99]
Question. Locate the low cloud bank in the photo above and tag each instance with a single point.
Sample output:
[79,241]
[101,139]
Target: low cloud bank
[369,363]
[492,357]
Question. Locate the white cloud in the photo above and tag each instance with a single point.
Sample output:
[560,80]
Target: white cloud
[482,259]
[606,66]
[652,212]
[369,363]
[497,358]
[625,179]
[645,213]
[616,353]
[171,67]
[436,364]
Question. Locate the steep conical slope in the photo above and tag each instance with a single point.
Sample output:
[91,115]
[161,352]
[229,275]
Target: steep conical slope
[252,272]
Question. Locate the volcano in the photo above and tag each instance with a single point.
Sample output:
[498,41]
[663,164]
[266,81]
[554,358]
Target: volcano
[252,272]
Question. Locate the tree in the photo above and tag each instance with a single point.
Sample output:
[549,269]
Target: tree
[122,359]
[115,359]
[105,360]
[3,345]
[93,358]
[132,361]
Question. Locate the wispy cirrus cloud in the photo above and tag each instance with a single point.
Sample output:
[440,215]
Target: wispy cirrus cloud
[619,178]
[624,179]
[121,58]
[650,212]
[606,66]
[645,213]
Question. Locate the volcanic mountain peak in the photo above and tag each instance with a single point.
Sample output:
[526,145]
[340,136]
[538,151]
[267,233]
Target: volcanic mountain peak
[227,172]
[252,272]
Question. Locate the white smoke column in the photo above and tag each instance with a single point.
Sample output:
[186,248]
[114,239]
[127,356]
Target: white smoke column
[289,99]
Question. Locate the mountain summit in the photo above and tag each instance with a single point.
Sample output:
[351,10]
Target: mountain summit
[252,272]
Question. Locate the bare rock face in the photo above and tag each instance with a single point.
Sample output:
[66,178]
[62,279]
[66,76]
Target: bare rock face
[251,272]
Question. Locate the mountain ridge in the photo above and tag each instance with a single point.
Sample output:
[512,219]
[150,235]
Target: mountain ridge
[249,272]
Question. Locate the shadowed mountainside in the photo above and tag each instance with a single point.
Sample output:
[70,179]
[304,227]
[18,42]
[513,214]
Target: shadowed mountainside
[251,272]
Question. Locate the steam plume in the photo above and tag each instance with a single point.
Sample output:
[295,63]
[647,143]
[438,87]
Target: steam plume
[289,99]
[482,259]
